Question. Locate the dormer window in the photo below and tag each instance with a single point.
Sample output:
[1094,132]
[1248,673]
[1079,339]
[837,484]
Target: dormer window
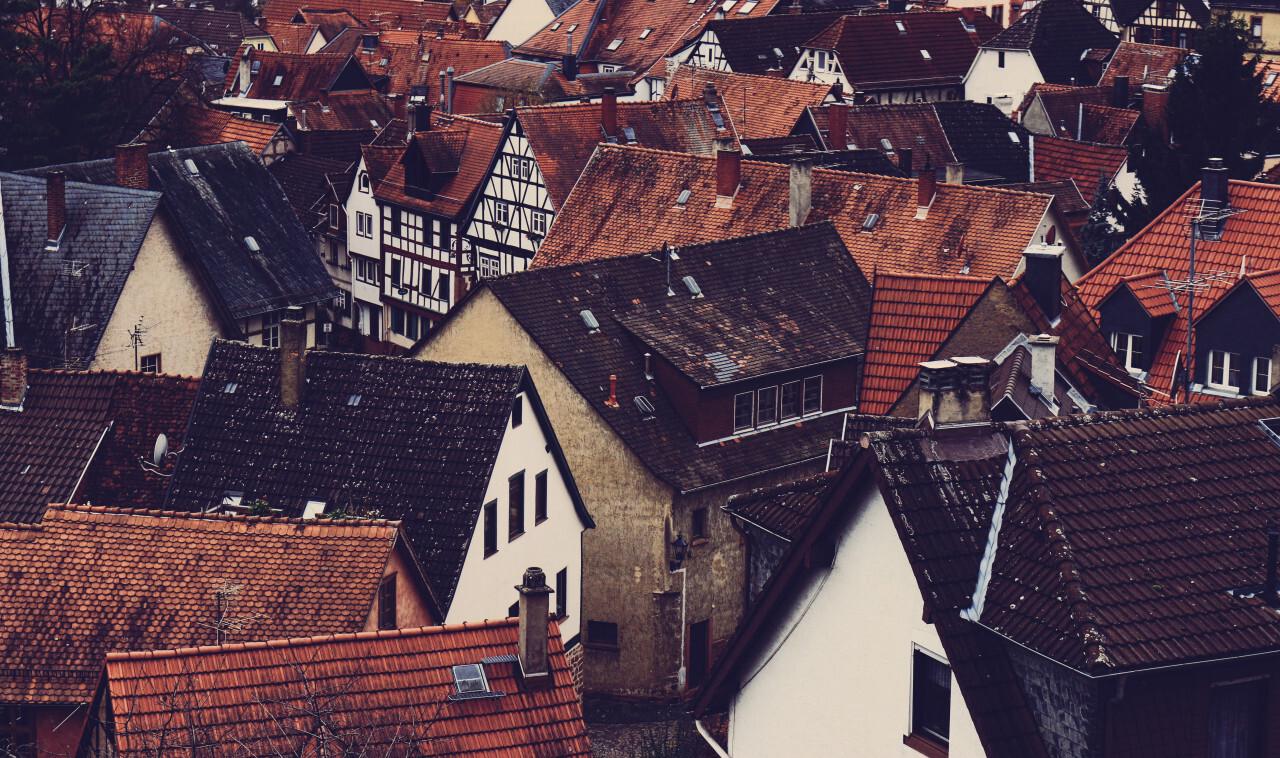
[364,181]
[744,411]
[1128,348]
[1224,370]
[1261,376]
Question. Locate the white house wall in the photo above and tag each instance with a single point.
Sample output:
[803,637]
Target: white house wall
[366,256]
[707,53]
[503,231]
[521,20]
[841,651]
[486,588]
[1003,87]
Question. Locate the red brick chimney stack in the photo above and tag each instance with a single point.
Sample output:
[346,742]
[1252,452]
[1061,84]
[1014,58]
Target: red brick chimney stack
[131,166]
[56,195]
[728,172]
[837,126]
[609,112]
[13,377]
[926,186]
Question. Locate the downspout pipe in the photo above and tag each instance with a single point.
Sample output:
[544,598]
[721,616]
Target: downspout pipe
[719,751]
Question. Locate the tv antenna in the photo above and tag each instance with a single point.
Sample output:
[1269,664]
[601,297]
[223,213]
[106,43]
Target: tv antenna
[225,596]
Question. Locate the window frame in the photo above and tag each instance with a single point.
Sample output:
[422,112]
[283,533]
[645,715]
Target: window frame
[1257,726]
[517,411]
[335,216]
[698,526]
[602,635]
[772,405]
[387,602]
[271,329]
[515,505]
[364,182]
[744,400]
[1257,363]
[501,213]
[796,387]
[562,594]
[142,364]
[804,396]
[1228,369]
[489,527]
[540,497]
[916,729]
[1126,350]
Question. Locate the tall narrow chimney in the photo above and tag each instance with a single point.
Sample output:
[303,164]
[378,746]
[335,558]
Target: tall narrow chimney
[801,195]
[569,65]
[728,172]
[448,95]
[904,161]
[1044,364]
[955,172]
[1043,279]
[1214,196]
[293,357]
[837,126]
[131,166]
[1155,99]
[534,602]
[56,195]
[1120,92]
[13,377]
[926,188]
[444,87]
[609,111]
[419,118]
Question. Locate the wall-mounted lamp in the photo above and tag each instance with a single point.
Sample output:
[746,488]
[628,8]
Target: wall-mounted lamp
[679,551]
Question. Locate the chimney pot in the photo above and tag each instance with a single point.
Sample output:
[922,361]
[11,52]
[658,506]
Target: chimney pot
[955,391]
[1044,365]
[837,126]
[728,172]
[534,606]
[801,191]
[56,196]
[609,112]
[293,357]
[955,173]
[13,377]
[131,166]
[1043,279]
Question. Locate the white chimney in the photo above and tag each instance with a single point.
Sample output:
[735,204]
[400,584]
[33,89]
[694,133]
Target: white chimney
[1044,364]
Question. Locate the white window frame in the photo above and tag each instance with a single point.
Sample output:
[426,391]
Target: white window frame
[488,266]
[335,217]
[364,182]
[804,391]
[364,224]
[1123,344]
[538,223]
[1260,363]
[750,397]
[1221,365]
[501,213]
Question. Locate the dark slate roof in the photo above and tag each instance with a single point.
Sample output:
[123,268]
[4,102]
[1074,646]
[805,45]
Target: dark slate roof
[231,198]
[783,509]
[979,135]
[751,45]
[79,284]
[305,180]
[865,161]
[819,284]
[223,31]
[419,445]
[47,446]
[1057,32]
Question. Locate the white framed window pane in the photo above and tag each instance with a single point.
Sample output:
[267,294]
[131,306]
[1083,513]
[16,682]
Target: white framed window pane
[743,407]
[790,400]
[813,395]
[767,406]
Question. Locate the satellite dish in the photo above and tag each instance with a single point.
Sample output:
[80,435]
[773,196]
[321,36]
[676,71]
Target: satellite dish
[161,449]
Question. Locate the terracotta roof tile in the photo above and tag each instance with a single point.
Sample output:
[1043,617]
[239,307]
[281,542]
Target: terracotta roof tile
[758,106]
[289,38]
[1084,162]
[911,317]
[387,687]
[1062,103]
[1105,124]
[408,58]
[395,14]
[343,111]
[1143,64]
[89,580]
[474,144]
[611,211]
[299,76]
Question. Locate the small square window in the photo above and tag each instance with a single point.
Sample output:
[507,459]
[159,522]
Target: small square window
[150,364]
[540,497]
[469,678]
[602,634]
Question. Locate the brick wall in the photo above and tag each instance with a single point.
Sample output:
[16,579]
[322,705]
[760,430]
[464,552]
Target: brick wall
[574,656]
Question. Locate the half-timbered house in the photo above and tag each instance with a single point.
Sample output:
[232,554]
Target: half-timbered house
[544,150]
[754,45]
[1172,23]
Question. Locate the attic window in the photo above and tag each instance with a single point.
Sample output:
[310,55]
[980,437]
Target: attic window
[572,28]
[748,6]
[886,144]
[191,167]
[1013,137]
[630,134]
[589,319]
[231,387]
[252,244]
[684,197]
[313,508]
[382,62]
[373,123]
[469,681]
[727,5]
[276,82]
[870,222]
[555,26]
[925,54]
[691,284]
[645,407]
[968,27]
[617,43]
[253,68]
[354,399]
[232,498]
[645,35]
[1271,79]
[902,28]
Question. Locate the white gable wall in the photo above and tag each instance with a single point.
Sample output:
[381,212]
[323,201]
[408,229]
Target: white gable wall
[521,20]
[841,673]
[1003,87]
[486,587]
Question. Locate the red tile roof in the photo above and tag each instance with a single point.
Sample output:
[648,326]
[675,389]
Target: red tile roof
[1143,64]
[205,126]
[383,688]
[395,14]
[911,317]
[291,38]
[874,55]
[758,106]
[534,81]
[1062,103]
[472,142]
[301,76]
[1084,162]
[88,580]
[1270,73]
[564,137]
[343,111]
[1105,124]
[409,58]
[626,202]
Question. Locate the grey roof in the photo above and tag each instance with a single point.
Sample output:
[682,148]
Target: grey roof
[231,197]
[560,6]
[1057,32]
[419,444]
[79,283]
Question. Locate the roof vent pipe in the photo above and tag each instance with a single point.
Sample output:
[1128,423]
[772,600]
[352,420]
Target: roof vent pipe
[448,103]
[648,373]
[1269,594]
[612,400]
[569,64]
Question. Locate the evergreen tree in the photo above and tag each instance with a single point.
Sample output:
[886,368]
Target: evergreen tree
[1100,237]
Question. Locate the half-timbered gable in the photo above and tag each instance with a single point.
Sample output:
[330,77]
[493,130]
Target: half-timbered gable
[1172,23]
[514,210]
[754,45]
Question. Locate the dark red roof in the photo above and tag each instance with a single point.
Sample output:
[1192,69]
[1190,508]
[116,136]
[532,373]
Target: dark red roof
[471,144]
[300,76]
[783,509]
[1143,64]
[1084,162]
[394,14]
[758,106]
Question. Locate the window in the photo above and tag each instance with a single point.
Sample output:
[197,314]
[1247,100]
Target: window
[490,528]
[365,270]
[822,60]
[698,524]
[364,182]
[767,406]
[442,286]
[150,364]
[813,395]
[487,266]
[743,412]
[387,603]
[930,697]
[1128,348]
[394,227]
[406,324]
[562,593]
[1255,27]
[699,663]
[1261,376]
[1000,58]
[501,213]
[271,329]
[397,270]
[615,44]
[364,224]
[517,412]
[1237,719]
[997,14]
[515,499]
[335,216]
[15,729]
[540,497]
[469,678]
[790,400]
[538,223]
[602,634]
[645,34]
[1224,370]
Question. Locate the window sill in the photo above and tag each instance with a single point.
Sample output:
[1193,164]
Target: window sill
[488,553]
[924,745]
[539,521]
[699,541]
[602,646]
[514,537]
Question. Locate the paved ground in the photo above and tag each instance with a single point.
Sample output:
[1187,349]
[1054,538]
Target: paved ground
[643,730]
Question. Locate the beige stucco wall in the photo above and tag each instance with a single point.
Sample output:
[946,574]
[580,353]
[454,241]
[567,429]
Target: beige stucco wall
[411,607]
[164,294]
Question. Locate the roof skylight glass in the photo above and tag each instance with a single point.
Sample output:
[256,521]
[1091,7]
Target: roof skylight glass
[615,44]
[589,319]
[573,27]
[925,54]
[468,678]
[555,26]
[1271,79]
[276,82]
[748,6]
[902,28]
[1013,137]
[684,197]
[645,34]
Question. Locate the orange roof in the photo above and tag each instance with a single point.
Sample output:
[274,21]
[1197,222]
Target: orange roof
[1143,64]
[205,126]
[1152,291]
[758,106]
[1270,73]
[1248,241]
[1085,162]
[472,143]
[387,692]
[912,315]
[256,133]
[1106,125]
[411,58]
[626,202]
[291,38]
[394,14]
[293,76]
[89,580]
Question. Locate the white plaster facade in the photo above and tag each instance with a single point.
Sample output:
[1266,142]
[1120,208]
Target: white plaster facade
[486,587]
[514,212]
[521,20]
[1001,77]
[833,669]
[364,249]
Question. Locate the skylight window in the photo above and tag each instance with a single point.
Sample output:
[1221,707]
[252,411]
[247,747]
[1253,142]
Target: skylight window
[354,399]
[691,284]
[748,6]
[645,407]
[902,28]
[252,244]
[231,387]
[253,68]
[1271,79]
[684,197]
[886,144]
[373,123]
[313,508]
[382,62]
[870,222]
[573,27]
[191,167]
[630,134]
[555,26]
[469,679]
[276,82]
[968,27]
[925,54]
[645,35]
[232,498]
[617,43]
[589,319]
[1013,137]
[727,5]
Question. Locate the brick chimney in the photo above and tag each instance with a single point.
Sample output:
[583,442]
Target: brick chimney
[13,377]
[926,188]
[1155,101]
[1044,364]
[534,602]
[609,112]
[955,172]
[56,197]
[419,118]
[131,166]
[1043,278]
[838,126]
[293,357]
[955,391]
[1120,92]
[1215,195]
[728,171]
[801,194]
[569,64]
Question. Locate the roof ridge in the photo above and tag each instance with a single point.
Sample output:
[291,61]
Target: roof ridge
[774,79]
[115,372]
[896,274]
[776,489]
[1138,414]
[420,631]
[55,508]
